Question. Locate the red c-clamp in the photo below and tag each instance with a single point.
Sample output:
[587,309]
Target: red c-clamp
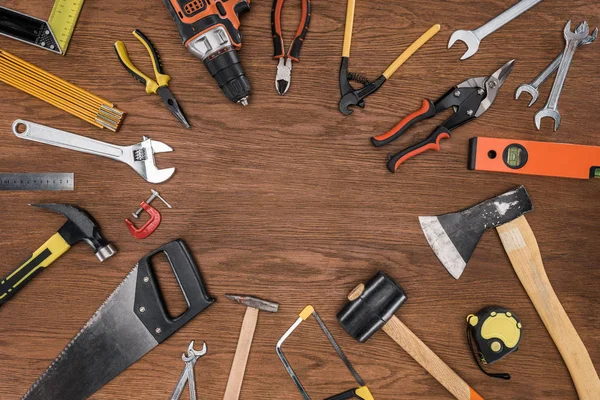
[153,222]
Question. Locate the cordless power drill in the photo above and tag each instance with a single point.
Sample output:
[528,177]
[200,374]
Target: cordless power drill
[209,29]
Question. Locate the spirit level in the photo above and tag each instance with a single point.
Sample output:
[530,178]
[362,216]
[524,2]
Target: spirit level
[534,158]
[54,34]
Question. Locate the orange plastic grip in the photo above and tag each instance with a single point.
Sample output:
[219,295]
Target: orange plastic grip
[427,110]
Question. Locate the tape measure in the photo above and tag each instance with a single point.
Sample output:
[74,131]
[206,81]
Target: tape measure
[496,332]
[37,181]
[534,158]
[54,34]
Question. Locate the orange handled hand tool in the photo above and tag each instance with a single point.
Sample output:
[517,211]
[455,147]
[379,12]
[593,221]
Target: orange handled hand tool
[284,68]
[468,99]
[534,158]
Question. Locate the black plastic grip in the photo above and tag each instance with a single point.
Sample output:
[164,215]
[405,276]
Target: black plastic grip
[149,304]
[294,52]
[153,51]
[426,111]
[432,142]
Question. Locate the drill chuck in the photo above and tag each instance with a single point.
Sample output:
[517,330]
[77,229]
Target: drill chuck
[227,70]
[210,31]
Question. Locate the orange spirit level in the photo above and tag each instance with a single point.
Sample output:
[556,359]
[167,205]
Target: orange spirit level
[534,158]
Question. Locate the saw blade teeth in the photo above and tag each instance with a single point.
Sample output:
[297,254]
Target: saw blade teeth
[87,324]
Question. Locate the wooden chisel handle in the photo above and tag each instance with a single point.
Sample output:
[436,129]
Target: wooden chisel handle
[429,360]
[522,249]
[238,368]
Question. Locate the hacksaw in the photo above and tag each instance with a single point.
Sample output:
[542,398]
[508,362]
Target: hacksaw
[53,35]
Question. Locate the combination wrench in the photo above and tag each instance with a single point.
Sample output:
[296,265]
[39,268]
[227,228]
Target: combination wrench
[533,87]
[187,375]
[139,156]
[551,108]
[473,38]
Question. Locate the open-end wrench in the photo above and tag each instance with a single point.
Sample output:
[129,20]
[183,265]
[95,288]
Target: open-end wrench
[473,38]
[139,156]
[187,375]
[533,87]
[551,107]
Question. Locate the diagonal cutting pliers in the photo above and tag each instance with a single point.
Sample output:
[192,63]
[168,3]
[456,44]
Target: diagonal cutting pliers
[469,99]
[161,85]
[284,67]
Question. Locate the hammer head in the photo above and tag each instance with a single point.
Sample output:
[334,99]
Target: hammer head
[254,302]
[453,237]
[371,306]
[81,226]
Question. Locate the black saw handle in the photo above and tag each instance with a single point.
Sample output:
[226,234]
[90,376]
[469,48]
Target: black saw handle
[149,304]
[431,143]
[426,111]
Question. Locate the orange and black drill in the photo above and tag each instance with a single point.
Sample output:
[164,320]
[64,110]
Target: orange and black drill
[209,29]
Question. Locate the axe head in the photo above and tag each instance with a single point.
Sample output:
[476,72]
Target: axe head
[453,237]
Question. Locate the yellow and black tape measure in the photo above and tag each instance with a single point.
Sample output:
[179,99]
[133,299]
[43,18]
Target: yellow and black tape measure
[496,332]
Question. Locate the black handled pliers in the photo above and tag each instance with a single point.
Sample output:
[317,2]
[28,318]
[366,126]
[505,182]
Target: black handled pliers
[469,99]
[284,68]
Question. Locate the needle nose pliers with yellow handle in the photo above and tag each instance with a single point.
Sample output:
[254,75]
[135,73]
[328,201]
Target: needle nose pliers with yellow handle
[160,86]
[284,68]
[355,97]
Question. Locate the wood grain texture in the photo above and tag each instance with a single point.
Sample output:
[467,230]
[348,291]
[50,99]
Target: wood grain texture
[242,352]
[287,200]
[419,351]
[523,251]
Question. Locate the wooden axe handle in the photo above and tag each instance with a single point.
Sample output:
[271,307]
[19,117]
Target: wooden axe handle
[429,360]
[238,368]
[522,249]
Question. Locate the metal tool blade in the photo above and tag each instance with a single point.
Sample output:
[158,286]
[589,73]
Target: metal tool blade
[171,102]
[112,340]
[453,237]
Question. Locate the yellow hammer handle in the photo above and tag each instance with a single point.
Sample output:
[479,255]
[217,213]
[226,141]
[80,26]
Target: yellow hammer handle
[348,29]
[40,259]
[411,50]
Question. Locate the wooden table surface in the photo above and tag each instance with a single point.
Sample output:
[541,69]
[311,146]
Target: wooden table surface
[287,200]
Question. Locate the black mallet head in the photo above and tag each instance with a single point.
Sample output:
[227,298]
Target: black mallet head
[371,306]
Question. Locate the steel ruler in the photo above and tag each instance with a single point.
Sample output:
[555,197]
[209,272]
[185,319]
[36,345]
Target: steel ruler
[54,34]
[37,181]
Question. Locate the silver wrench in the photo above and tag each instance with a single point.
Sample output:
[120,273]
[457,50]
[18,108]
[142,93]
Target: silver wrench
[139,156]
[187,375]
[473,38]
[551,107]
[532,88]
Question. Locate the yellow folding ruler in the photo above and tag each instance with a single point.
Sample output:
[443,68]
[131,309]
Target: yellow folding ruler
[54,34]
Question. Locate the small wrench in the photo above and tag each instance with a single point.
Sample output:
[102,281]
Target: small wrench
[473,38]
[551,107]
[139,156]
[532,88]
[187,375]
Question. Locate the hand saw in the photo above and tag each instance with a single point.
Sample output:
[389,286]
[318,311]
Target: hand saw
[54,34]
[534,158]
[130,323]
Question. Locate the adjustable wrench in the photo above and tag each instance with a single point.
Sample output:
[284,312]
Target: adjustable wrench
[551,107]
[187,376]
[473,38]
[533,86]
[139,156]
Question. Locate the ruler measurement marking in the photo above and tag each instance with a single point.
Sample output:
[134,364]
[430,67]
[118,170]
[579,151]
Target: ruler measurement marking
[36,181]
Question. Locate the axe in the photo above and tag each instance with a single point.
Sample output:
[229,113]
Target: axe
[453,238]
